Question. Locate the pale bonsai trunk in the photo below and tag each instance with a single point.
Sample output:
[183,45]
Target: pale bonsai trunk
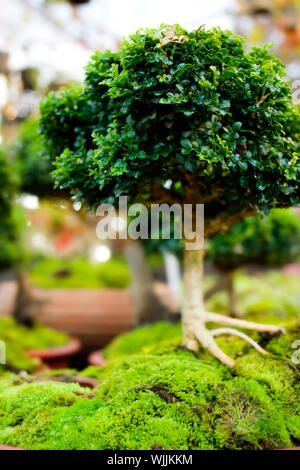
[193,312]
[27,305]
[232,297]
[194,316]
[147,307]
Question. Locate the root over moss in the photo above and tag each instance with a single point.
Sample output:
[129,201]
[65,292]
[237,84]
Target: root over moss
[162,397]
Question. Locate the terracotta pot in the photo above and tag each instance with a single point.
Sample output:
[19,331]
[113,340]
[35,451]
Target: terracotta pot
[5,447]
[96,359]
[293,448]
[58,357]
[86,382]
[292,269]
[95,316]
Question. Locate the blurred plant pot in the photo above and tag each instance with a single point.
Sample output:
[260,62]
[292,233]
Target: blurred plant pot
[5,447]
[95,316]
[96,359]
[292,269]
[86,382]
[58,357]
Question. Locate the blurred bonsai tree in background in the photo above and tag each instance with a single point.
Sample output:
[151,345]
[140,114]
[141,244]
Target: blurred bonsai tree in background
[192,109]
[271,241]
[32,164]
[78,114]
[12,252]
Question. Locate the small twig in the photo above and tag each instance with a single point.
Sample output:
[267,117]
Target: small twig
[262,99]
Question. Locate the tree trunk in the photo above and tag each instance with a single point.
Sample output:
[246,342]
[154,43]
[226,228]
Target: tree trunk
[193,312]
[147,307]
[27,305]
[232,297]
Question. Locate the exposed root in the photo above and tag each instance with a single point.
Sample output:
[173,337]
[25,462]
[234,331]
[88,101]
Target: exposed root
[195,318]
[206,339]
[195,334]
[248,325]
[240,334]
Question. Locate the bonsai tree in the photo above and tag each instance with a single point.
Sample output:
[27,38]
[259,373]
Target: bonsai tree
[272,241]
[192,109]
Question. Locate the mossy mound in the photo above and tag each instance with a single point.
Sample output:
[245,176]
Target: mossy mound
[163,397]
[80,273]
[19,339]
[143,339]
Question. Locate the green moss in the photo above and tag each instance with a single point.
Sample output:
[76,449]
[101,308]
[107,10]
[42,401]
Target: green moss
[144,339]
[17,359]
[247,417]
[18,339]
[161,396]
[82,274]
[27,409]
[273,296]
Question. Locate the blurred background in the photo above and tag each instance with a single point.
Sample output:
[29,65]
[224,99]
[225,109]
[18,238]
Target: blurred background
[69,279]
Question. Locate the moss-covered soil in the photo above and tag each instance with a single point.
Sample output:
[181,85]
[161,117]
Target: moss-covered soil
[152,394]
[274,294]
[19,339]
[80,273]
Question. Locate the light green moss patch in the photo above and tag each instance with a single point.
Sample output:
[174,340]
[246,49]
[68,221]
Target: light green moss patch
[272,296]
[164,398]
[19,339]
[144,339]
[80,273]
[152,394]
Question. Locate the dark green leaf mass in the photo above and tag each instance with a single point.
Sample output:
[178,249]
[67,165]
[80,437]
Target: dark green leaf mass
[190,108]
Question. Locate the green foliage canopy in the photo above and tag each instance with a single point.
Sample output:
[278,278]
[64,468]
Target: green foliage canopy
[190,108]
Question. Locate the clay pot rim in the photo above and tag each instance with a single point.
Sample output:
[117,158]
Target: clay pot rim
[6,447]
[96,359]
[72,347]
[88,382]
